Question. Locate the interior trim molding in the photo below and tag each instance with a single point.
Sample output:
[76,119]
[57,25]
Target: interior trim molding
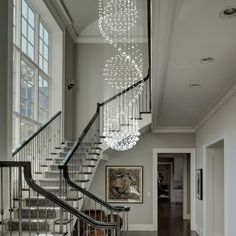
[220,100]
[66,18]
[199,230]
[141,227]
[164,14]
[192,152]
[187,217]
[175,130]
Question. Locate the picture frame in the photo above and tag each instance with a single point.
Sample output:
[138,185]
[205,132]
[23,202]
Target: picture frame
[124,184]
[199,184]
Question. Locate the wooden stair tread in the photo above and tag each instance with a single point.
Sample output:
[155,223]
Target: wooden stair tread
[145,112]
[82,181]
[138,118]
[88,166]
[91,159]
[84,173]
[96,148]
[94,153]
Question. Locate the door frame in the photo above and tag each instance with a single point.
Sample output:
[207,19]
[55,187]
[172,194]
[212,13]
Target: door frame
[220,137]
[192,152]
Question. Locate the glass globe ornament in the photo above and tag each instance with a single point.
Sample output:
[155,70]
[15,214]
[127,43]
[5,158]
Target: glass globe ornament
[122,141]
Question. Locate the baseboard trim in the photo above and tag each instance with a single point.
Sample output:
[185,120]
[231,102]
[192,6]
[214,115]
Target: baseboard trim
[199,230]
[141,227]
[187,217]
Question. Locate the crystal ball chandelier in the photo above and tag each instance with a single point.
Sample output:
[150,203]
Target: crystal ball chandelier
[118,22]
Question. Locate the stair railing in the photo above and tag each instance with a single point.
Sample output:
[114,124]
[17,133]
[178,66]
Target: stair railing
[81,160]
[40,145]
[31,210]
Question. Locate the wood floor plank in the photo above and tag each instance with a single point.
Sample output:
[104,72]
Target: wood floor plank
[171,222]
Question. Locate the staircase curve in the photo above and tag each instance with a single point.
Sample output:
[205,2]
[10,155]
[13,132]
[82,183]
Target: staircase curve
[45,187]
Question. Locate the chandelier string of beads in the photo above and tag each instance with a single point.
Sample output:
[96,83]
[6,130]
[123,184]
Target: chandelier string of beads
[118,23]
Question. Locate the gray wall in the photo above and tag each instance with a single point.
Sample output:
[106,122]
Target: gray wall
[69,94]
[5,90]
[89,86]
[142,155]
[221,123]
[90,60]
[5,79]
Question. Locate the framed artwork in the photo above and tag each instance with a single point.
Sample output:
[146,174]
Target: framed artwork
[124,184]
[199,184]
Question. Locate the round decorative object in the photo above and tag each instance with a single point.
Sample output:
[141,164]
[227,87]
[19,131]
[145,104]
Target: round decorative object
[118,16]
[120,72]
[122,141]
[123,69]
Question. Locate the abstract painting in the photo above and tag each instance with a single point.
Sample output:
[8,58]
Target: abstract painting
[124,184]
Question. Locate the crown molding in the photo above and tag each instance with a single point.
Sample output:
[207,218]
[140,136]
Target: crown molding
[164,15]
[220,100]
[175,130]
[66,18]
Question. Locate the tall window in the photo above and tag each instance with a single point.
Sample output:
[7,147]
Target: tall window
[31,71]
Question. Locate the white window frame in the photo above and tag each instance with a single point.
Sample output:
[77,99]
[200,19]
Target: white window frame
[19,56]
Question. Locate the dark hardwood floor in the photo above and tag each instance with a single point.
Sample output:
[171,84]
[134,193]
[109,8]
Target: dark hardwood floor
[171,222]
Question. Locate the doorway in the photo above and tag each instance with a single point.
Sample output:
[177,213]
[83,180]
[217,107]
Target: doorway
[173,191]
[214,189]
[178,185]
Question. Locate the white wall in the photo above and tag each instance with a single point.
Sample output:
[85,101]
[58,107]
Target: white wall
[141,215]
[222,123]
[218,186]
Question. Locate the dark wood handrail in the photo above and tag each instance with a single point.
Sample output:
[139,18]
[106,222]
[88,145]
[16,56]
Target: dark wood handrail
[39,130]
[125,91]
[70,154]
[90,195]
[28,178]
[80,139]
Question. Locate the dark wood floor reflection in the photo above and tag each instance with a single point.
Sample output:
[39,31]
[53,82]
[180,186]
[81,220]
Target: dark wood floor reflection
[171,222]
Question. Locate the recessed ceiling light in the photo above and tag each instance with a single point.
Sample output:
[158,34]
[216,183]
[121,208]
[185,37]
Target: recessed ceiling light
[194,85]
[228,12]
[207,60]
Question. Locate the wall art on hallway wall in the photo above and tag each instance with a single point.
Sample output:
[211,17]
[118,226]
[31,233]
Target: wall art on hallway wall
[199,184]
[124,184]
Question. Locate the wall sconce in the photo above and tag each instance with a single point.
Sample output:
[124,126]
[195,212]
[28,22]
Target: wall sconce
[71,84]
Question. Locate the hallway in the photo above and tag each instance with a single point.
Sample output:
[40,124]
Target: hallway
[170,223]
[171,220]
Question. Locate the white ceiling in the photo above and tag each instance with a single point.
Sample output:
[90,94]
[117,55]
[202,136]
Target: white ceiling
[188,30]
[183,32]
[82,12]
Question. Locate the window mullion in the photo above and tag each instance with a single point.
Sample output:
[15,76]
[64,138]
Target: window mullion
[18,23]
[17,98]
[37,70]
[36,39]
[36,107]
